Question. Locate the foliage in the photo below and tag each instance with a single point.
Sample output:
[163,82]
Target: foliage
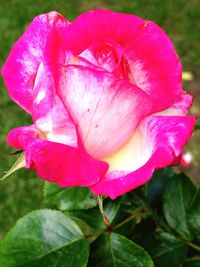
[154,225]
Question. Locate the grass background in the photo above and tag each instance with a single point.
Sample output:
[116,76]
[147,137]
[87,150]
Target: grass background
[180,19]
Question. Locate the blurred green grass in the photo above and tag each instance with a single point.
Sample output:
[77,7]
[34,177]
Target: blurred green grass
[180,19]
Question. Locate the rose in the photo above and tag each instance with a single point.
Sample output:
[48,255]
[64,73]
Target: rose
[106,100]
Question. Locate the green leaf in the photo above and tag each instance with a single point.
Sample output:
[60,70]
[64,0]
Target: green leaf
[193,262]
[73,198]
[168,251]
[114,250]
[20,163]
[155,187]
[68,256]
[165,249]
[40,238]
[178,195]
[111,208]
[194,215]
[93,217]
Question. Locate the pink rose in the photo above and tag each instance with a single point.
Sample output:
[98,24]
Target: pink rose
[106,100]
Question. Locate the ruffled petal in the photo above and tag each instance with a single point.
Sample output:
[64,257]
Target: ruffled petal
[64,165]
[22,64]
[20,137]
[146,49]
[105,110]
[54,162]
[160,143]
[155,66]
[178,108]
[101,25]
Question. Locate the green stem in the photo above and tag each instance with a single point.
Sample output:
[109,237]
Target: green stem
[94,234]
[193,246]
[105,218]
[124,222]
[148,207]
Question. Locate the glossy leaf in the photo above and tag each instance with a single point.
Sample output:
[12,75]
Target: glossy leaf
[168,251]
[165,249]
[93,217]
[114,250]
[72,198]
[69,256]
[178,195]
[39,237]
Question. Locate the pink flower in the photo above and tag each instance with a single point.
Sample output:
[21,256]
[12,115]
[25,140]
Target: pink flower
[106,99]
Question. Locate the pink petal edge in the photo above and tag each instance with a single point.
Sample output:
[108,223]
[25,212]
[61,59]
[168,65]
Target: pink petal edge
[58,163]
[166,133]
[25,57]
[151,56]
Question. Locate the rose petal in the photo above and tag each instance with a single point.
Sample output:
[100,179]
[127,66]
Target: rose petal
[49,113]
[20,137]
[24,59]
[154,65]
[165,137]
[105,110]
[180,107]
[64,165]
[149,53]
[101,25]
